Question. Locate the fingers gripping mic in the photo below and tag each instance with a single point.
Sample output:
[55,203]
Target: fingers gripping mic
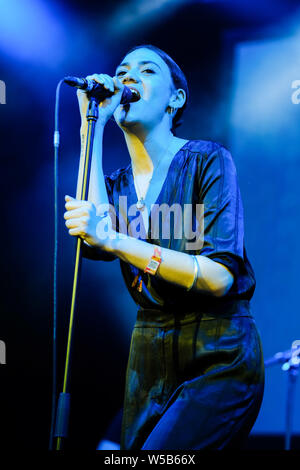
[98,90]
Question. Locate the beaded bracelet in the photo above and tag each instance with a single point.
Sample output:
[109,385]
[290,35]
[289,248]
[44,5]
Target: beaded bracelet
[196,271]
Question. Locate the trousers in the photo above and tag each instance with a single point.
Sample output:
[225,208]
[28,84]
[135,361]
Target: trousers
[194,380]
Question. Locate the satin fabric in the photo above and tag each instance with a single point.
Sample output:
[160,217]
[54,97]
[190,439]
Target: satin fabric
[194,381]
[195,372]
[202,172]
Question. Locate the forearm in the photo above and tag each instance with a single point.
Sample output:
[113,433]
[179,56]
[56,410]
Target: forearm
[96,254]
[97,193]
[97,189]
[176,267]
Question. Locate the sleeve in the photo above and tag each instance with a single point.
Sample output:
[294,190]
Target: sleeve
[223,211]
[96,254]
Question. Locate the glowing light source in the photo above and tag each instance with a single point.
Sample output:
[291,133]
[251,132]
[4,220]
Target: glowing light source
[30,31]
[140,14]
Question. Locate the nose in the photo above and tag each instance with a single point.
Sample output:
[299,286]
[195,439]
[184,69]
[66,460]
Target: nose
[131,76]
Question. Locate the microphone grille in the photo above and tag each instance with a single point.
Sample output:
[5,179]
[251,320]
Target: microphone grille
[135,95]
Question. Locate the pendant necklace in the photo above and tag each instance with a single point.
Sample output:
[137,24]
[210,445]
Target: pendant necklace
[140,205]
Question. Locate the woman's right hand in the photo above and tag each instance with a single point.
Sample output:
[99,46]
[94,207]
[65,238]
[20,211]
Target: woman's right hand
[106,107]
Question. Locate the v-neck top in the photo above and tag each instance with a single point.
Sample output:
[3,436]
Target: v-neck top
[201,172]
[158,180]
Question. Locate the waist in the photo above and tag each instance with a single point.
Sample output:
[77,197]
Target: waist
[162,318]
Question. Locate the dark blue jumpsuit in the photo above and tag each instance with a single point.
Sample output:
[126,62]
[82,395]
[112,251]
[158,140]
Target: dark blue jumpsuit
[195,373]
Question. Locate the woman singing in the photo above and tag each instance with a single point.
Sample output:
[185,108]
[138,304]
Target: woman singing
[195,372]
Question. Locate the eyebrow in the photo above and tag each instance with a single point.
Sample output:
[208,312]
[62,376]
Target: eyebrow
[143,62]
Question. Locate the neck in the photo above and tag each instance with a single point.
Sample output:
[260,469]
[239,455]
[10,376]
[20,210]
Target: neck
[147,150]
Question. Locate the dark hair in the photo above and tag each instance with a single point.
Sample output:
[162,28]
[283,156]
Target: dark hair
[177,76]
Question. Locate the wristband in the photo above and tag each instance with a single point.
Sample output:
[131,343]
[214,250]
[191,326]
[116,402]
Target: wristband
[151,268]
[154,262]
[196,270]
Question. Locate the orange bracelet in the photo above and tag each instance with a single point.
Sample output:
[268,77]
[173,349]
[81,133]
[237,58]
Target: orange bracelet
[154,262]
[151,268]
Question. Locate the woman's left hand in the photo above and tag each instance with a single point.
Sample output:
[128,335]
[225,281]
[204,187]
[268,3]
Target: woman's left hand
[82,221]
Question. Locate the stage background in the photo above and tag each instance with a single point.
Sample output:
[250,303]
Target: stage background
[240,59]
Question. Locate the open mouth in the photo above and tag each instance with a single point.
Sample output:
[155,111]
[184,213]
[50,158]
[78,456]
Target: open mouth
[136,93]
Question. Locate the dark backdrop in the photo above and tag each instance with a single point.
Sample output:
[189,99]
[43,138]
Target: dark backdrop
[211,40]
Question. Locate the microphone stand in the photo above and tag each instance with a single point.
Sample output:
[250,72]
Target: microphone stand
[63,407]
[291,361]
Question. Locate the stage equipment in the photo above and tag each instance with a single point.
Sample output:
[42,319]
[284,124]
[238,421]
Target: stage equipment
[290,361]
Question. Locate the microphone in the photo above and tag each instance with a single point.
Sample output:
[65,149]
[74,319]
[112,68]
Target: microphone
[98,91]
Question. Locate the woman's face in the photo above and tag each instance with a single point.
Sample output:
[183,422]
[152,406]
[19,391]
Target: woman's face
[146,72]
